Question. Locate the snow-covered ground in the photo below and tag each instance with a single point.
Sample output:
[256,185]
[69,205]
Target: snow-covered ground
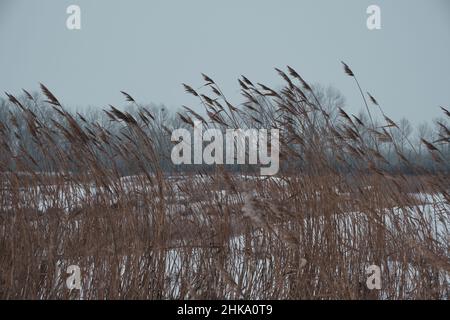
[431,215]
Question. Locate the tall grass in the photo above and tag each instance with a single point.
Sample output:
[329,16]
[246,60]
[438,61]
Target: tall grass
[307,233]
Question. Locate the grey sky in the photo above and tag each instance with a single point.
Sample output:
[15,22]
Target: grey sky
[148,48]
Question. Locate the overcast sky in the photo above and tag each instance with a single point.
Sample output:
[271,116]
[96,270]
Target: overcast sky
[148,48]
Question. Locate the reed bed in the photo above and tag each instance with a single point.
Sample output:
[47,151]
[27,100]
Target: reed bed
[102,196]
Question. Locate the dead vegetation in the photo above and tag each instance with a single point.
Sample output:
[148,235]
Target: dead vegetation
[307,233]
